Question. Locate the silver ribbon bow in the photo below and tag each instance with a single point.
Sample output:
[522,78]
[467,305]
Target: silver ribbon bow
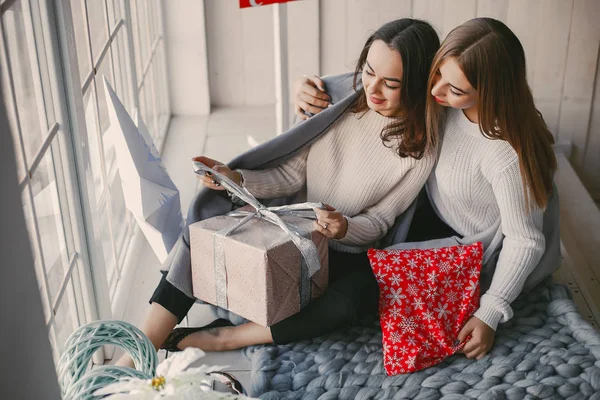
[300,238]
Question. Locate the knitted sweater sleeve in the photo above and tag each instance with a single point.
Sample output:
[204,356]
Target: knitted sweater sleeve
[522,247]
[283,180]
[375,221]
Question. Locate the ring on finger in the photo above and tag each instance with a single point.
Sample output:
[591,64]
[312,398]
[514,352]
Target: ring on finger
[325,225]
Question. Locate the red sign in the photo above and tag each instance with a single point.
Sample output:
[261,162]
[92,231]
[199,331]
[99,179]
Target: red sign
[257,3]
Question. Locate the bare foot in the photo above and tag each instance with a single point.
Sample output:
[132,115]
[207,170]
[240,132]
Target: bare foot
[228,338]
[208,340]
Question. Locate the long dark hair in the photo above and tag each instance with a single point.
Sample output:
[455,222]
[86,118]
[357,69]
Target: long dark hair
[493,61]
[417,42]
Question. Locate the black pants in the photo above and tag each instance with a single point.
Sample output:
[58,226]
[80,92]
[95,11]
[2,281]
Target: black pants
[352,294]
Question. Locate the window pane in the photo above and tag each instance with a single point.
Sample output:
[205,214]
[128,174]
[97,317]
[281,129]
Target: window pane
[65,322]
[94,149]
[119,213]
[6,94]
[97,21]
[153,21]
[49,222]
[143,43]
[114,12]
[36,259]
[106,239]
[81,39]
[123,69]
[150,93]
[109,148]
[28,105]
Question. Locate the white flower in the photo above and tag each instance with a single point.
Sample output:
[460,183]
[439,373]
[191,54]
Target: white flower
[174,380]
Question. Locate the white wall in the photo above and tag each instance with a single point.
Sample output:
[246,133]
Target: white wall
[185,39]
[561,40]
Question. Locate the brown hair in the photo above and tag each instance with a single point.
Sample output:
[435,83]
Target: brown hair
[417,42]
[493,60]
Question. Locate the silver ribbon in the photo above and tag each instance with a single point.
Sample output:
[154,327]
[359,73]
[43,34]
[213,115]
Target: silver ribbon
[300,237]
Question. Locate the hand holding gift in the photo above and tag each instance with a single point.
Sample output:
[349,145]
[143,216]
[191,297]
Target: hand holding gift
[208,179]
[262,263]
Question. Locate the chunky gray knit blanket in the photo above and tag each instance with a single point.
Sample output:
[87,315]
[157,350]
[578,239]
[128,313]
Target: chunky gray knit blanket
[547,351]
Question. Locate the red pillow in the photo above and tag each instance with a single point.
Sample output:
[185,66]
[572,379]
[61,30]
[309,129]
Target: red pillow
[426,296]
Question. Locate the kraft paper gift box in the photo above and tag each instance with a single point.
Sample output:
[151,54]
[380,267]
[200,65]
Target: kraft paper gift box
[263,267]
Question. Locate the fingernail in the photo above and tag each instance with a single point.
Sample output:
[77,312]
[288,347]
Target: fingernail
[214,182]
[456,342]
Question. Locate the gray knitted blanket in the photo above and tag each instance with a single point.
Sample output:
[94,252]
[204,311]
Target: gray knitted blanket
[547,351]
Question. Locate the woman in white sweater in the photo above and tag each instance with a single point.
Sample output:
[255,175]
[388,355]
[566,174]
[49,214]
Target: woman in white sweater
[495,161]
[369,167]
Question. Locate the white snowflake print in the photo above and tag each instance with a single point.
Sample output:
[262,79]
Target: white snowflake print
[396,260]
[380,276]
[432,277]
[451,257]
[395,279]
[463,307]
[471,288]
[395,296]
[395,337]
[418,304]
[442,310]
[474,251]
[388,268]
[411,341]
[426,344]
[412,263]
[460,269]
[404,350]
[473,273]
[380,255]
[389,325]
[448,325]
[445,267]
[430,292]
[407,309]
[413,290]
[462,251]
[421,282]
[452,297]
[395,312]
[408,324]
[448,282]
[410,362]
[411,275]
[429,262]
[428,316]
[386,348]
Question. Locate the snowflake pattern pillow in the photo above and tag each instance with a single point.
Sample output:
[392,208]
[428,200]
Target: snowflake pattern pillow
[426,297]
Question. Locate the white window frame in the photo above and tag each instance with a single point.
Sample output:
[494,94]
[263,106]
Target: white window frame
[85,281]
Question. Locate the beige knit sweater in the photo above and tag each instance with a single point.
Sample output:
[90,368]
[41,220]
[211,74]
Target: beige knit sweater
[350,169]
[476,182]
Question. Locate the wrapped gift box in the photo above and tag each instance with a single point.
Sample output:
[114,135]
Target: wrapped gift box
[263,267]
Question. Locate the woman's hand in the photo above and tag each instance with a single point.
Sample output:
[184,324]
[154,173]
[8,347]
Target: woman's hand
[310,96]
[208,181]
[481,341]
[331,223]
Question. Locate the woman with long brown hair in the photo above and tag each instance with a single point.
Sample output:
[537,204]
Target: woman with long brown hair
[494,176]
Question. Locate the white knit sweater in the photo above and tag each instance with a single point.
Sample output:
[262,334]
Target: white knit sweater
[476,182]
[350,169]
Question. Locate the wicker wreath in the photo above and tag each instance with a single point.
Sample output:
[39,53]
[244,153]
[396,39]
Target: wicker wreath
[78,383]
